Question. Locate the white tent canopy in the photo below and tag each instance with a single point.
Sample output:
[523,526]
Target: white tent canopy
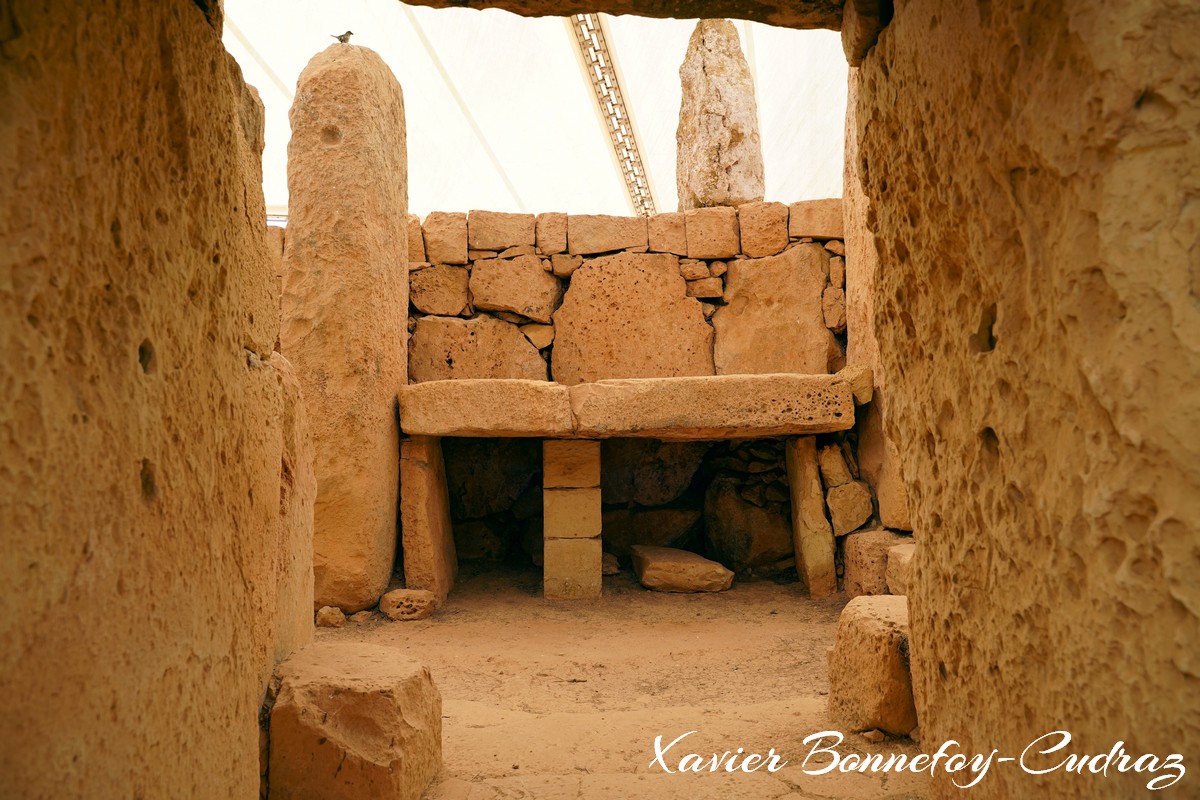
[501,116]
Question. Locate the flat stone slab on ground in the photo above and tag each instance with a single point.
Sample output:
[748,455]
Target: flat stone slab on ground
[667,569]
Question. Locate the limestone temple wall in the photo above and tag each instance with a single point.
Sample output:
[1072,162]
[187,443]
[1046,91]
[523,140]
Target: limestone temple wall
[573,298]
[156,485]
[1030,176]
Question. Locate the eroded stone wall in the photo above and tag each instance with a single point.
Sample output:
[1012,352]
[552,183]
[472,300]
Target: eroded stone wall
[579,298]
[141,439]
[1033,176]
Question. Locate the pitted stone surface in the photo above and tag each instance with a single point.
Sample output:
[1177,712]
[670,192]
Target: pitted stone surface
[520,285]
[628,316]
[719,160]
[773,319]
[345,309]
[448,348]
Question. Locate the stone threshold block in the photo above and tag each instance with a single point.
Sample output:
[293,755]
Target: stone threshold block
[427,535]
[681,409]
[668,569]
[354,720]
[870,682]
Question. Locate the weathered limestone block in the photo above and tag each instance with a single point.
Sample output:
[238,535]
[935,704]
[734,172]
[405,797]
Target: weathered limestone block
[486,407]
[870,685]
[834,471]
[773,319]
[345,309]
[571,513]
[571,569]
[899,567]
[741,535]
[448,348]
[812,538]
[498,230]
[865,557]
[445,234]
[837,271]
[721,407]
[550,229]
[628,316]
[562,266]
[404,605]
[833,309]
[667,233]
[659,527]
[860,380]
[879,461]
[330,617]
[648,472]
[439,290]
[719,156]
[763,228]
[712,233]
[666,569]
[297,495]
[694,269]
[818,219]
[519,285]
[427,534]
[486,476]
[416,242]
[570,464]
[354,720]
[599,233]
[540,336]
[849,506]
[609,565]
[707,288]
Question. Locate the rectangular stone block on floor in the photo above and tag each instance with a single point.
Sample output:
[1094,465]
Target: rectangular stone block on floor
[570,464]
[571,513]
[811,533]
[354,720]
[870,682]
[427,535]
[572,569]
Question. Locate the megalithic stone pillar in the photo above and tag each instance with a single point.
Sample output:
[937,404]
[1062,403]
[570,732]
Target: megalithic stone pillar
[345,309]
[719,154]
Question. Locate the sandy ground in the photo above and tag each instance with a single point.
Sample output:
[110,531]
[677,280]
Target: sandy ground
[564,700]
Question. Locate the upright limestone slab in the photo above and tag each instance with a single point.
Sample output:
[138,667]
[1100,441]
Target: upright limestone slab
[719,157]
[811,535]
[430,561]
[345,309]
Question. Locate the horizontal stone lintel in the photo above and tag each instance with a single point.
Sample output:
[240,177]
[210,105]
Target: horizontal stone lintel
[674,409]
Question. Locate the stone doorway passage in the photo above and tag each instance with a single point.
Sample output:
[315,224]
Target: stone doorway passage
[571,421]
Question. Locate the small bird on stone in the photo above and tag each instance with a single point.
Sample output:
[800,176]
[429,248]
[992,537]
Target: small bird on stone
[345,37]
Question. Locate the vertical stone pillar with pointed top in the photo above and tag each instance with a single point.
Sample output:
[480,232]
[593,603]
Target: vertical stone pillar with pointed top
[345,309]
[719,158]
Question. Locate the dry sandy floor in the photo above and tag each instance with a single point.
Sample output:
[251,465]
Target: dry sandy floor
[551,701]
